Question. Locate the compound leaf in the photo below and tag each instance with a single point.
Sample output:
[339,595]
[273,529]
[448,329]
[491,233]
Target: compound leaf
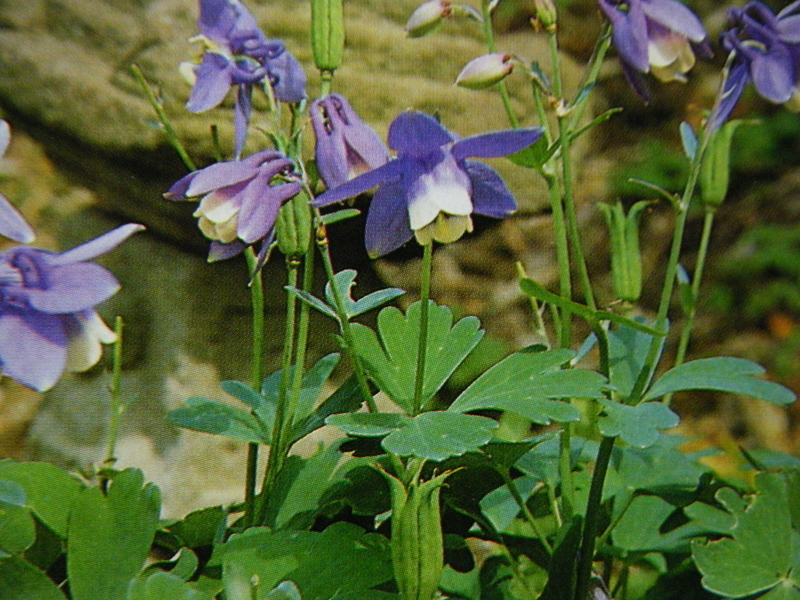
[638,425]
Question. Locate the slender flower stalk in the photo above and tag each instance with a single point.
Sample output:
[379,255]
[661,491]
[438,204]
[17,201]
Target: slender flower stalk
[422,344]
[117,406]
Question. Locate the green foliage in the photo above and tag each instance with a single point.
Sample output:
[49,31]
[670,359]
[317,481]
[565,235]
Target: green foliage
[762,556]
[653,162]
[20,580]
[532,385]
[110,536]
[724,374]
[391,361]
[638,425]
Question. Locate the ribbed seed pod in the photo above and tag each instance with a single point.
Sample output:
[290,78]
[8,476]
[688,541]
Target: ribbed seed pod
[293,227]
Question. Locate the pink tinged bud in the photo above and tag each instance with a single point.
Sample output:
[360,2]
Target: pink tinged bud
[427,17]
[485,71]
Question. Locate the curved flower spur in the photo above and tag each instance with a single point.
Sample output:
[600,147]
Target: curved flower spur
[47,318]
[430,190]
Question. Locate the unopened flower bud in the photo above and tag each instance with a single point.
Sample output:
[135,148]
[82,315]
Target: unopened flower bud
[485,71]
[427,17]
[626,259]
[715,168]
[545,12]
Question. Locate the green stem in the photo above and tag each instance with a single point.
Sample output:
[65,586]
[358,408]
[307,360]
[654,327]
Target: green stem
[344,321]
[697,277]
[591,522]
[422,345]
[117,407]
[278,447]
[302,327]
[565,470]
[169,131]
[565,135]
[326,79]
[526,512]
[488,36]
[682,213]
[256,375]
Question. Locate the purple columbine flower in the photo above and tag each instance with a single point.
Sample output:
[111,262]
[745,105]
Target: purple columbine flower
[765,49]
[430,190]
[47,318]
[655,36]
[239,55]
[12,224]
[240,199]
[346,146]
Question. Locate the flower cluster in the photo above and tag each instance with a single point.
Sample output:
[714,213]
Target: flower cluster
[655,36]
[240,199]
[765,50]
[47,319]
[430,190]
[238,54]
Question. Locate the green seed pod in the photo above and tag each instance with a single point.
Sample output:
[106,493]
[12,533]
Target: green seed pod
[293,227]
[626,259]
[417,541]
[327,33]
[715,169]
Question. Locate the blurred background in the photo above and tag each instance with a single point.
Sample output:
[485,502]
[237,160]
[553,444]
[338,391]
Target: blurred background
[85,157]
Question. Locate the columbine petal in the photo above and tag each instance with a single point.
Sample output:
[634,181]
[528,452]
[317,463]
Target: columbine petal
[223,174]
[362,183]
[495,144]
[13,224]
[213,82]
[96,247]
[772,74]
[490,196]
[417,134]
[675,16]
[629,33]
[32,348]
[241,117]
[287,77]
[258,213]
[387,227]
[71,288]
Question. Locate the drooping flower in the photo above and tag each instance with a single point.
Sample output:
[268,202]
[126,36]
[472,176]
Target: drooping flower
[655,36]
[428,16]
[765,50]
[12,224]
[431,190]
[47,319]
[238,54]
[486,70]
[346,146]
[240,199]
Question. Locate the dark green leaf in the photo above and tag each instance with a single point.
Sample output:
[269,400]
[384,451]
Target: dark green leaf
[201,527]
[500,507]
[313,301]
[160,585]
[313,382]
[49,491]
[345,281]
[110,536]
[638,425]
[340,560]
[391,359]
[368,424]
[530,384]
[210,416]
[561,578]
[347,398]
[724,374]
[628,349]
[762,554]
[658,469]
[17,526]
[438,435]
[639,529]
[19,580]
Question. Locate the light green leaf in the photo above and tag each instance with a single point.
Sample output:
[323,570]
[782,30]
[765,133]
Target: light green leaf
[20,580]
[345,281]
[439,435]
[347,398]
[243,392]
[49,491]
[312,301]
[161,585]
[390,357]
[639,528]
[628,350]
[760,556]
[210,416]
[723,374]
[110,536]
[17,527]
[638,425]
[530,384]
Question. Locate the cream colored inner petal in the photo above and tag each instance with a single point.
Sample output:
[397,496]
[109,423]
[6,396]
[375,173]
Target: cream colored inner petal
[223,232]
[84,349]
[444,229]
[445,189]
[217,207]
[670,57]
